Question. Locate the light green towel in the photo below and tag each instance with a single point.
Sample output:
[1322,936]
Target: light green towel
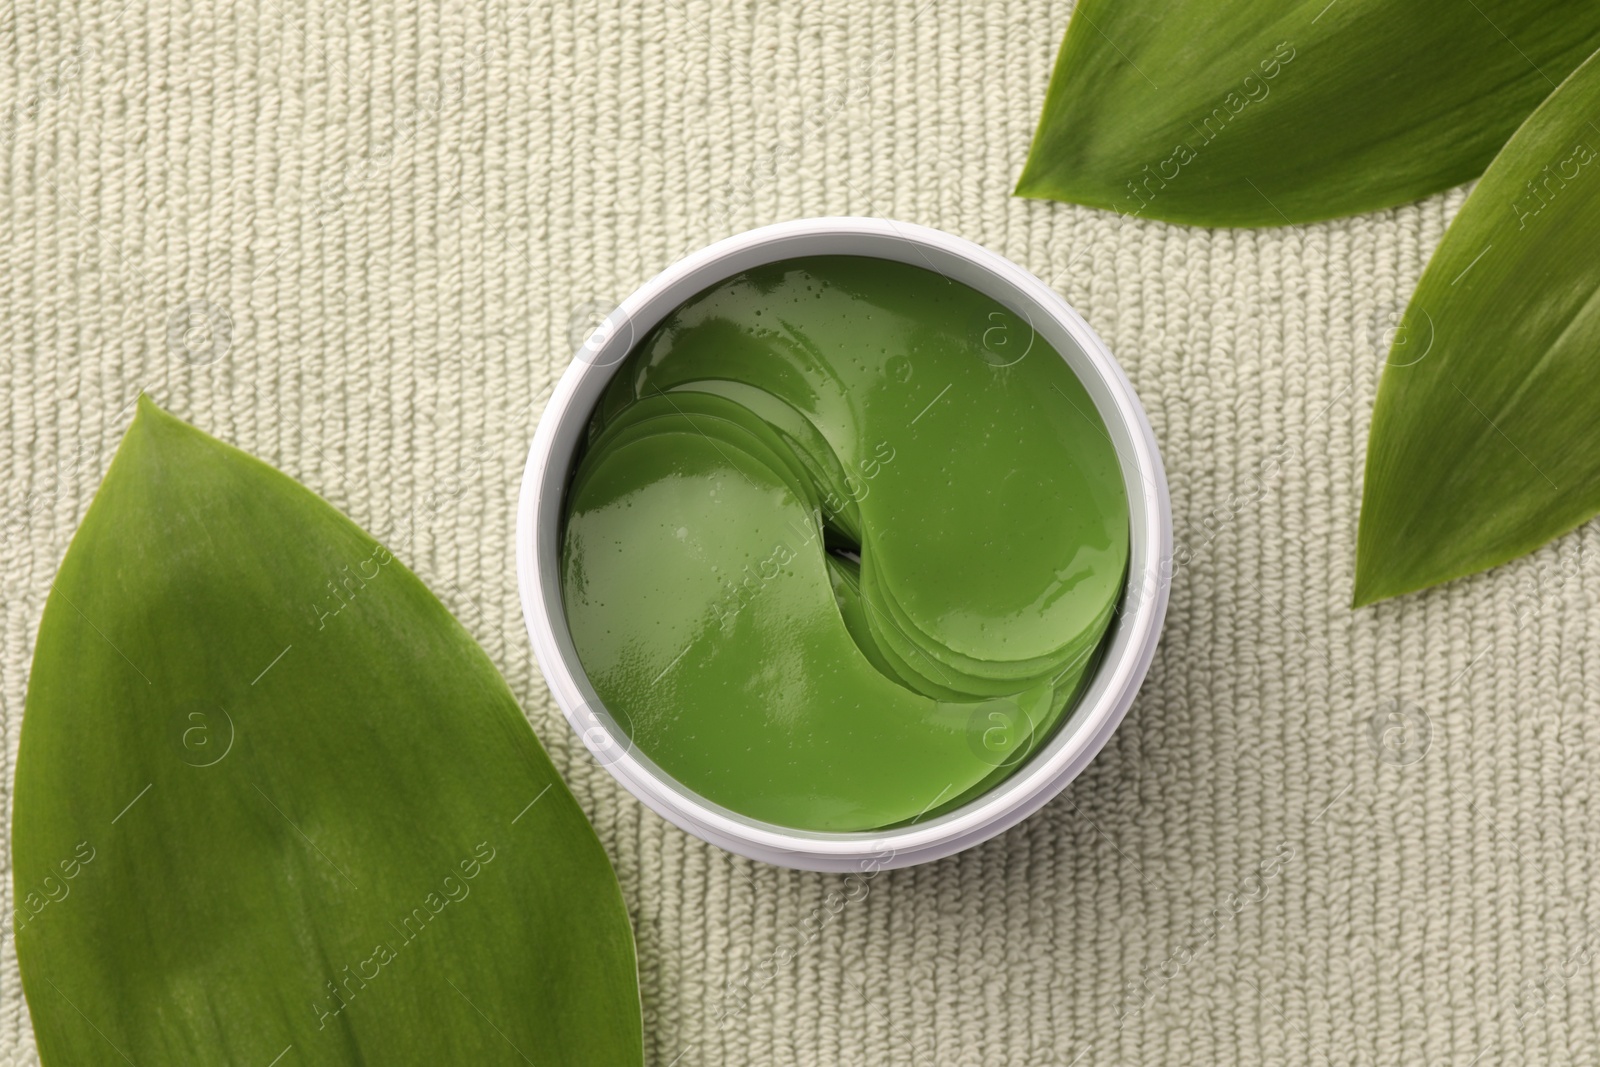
[361,242]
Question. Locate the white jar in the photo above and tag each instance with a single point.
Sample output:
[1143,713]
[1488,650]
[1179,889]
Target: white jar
[1131,640]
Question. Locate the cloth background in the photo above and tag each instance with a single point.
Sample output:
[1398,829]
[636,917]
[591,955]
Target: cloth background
[361,241]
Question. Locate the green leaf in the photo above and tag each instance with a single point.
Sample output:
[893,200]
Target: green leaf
[274,806]
[1484,439]
[1262,113]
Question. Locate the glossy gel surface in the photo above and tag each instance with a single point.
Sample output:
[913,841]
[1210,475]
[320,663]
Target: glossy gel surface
[843,543]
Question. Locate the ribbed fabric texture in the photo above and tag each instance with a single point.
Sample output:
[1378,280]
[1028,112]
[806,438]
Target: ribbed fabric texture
[362,241]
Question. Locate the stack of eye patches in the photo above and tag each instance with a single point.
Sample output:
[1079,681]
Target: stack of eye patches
[843,543]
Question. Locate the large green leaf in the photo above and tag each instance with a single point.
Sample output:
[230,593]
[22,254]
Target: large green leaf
[1266,112]
[274,806]
[1485,442]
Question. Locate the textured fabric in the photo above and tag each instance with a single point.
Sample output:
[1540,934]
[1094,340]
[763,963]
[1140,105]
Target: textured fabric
[361,242]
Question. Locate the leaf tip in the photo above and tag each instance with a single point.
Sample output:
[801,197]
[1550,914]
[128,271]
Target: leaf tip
[148,409]
[1371,588]
[1038,178]
[156,436]
[151,420]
